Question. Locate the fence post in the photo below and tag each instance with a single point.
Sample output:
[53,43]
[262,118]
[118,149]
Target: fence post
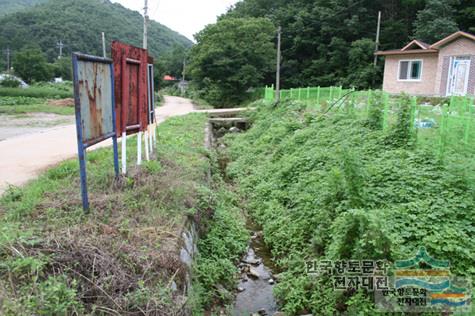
[442,134]
[468,119]
[413,117]
[318,95]
[308,93]
[368,102]
[331,94]
[340,93]
[353,97]
[300,94]
[386,111]
[291,93]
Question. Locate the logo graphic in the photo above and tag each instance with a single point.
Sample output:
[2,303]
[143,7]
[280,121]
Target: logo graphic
[425,283]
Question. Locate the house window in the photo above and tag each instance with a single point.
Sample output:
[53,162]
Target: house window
[410,70]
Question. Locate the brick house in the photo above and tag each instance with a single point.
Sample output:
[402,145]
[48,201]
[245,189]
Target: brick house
[445,68]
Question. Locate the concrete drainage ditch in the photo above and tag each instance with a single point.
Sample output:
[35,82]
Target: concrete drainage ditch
[254,292]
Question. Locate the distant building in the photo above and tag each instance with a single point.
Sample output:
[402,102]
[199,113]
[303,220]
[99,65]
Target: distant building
[446,68]
[169,78]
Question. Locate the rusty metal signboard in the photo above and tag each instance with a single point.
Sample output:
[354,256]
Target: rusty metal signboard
[95,109]
[130,74]
[131,95]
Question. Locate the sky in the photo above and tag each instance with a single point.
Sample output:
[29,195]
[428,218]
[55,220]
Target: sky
[187,17]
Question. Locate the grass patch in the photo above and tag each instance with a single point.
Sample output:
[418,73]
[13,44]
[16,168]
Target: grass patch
[338,187]
[36,108]
[36,92]
[225,240]
[122,258]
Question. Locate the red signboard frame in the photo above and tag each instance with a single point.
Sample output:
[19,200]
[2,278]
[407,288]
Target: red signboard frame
[131,87]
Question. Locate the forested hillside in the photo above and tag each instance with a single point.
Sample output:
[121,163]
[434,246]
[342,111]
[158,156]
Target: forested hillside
[10,6]
[78,24]
[329,42]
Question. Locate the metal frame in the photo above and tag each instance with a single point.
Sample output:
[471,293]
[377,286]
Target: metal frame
[151,99]
[82,146]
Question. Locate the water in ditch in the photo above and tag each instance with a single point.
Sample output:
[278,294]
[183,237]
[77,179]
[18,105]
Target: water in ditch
[256,282]
[257,278]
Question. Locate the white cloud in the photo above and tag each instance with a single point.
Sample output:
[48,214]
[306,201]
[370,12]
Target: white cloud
[187,17]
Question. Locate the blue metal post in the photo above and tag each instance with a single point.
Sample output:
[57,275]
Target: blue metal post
[81,149]
[114,138]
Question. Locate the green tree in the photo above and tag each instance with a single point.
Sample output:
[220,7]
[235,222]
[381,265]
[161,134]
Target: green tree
[436,21]
[318,35]
[465,15]
[31,65]
[362,72]
[79,26]
[63,68]
[231,57]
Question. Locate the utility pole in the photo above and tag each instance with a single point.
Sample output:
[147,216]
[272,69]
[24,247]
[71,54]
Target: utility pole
[378,31]
[277,75]
[104,45]
[184,69]
[60,45]
[146,134]
[8,52]
[145,25]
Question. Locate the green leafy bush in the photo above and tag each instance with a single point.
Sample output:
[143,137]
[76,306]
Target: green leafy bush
[20,101]
[219,250]
[335,187]
[10,83]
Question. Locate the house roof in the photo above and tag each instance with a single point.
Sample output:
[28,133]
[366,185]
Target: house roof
[425,48]
[406,52]
[418,43]
[451,38]
[169,78]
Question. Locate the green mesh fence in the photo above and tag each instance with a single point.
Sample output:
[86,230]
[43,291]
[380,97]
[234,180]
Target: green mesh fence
[447,128]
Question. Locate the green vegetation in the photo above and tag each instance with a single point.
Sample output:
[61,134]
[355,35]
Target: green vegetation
[170,63]
[436,21]
[340,186]
[8,6]
[31,65]
[231,57]
[79,27]
[40,90]
[38,98]
[225,240]
[120,259]
[10,82]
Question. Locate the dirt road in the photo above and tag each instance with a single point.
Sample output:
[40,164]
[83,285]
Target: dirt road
[24,157]
[31,123]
